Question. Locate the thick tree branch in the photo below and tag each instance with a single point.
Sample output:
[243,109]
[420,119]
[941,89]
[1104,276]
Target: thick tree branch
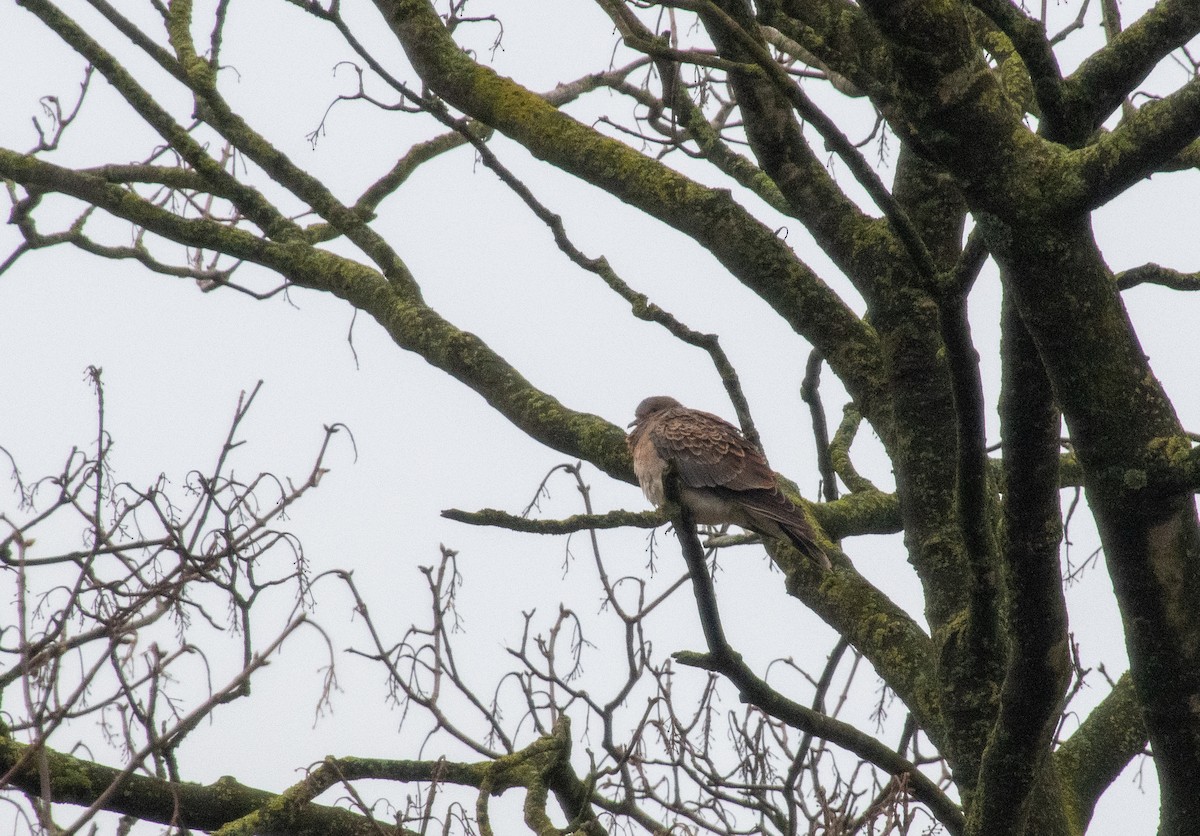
[884,633]
[1127,435]
[767,106]
[77,781]
[1113,72]
[1039,657]
[233,808]
[750,250]
[1029,38]
[840,36]
[423,152]
[955,111]
[281,169]
[1139,146]
[942,471]
[956,81]
[1110,737]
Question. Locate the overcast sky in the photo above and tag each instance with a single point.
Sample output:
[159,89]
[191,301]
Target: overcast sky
[174,361]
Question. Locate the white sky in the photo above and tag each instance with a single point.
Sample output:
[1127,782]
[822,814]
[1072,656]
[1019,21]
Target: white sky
[174,361]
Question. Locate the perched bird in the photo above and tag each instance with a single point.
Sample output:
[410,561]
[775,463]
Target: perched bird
[723,478]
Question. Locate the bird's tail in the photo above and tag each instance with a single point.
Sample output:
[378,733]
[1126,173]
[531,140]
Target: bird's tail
[771,513]
[802,539]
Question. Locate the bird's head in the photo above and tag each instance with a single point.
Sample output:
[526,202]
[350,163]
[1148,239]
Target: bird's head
[651,406]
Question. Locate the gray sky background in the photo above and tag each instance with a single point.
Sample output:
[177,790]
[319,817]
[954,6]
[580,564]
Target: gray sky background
[174,361]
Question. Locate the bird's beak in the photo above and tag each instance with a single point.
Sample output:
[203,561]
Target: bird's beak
[631,423]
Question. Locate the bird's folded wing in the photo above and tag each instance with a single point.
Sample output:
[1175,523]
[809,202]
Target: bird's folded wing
[709,452]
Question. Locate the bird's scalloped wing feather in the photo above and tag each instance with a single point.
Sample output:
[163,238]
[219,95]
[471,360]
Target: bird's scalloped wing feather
[707,451]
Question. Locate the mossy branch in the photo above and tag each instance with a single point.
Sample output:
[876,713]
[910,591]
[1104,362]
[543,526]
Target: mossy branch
[569,525]
[1113,72]
[752,251]
[197,806]
[1103,745]
[1038,664]
[1157,275]
[1141,145]
[231,809]
[869,512]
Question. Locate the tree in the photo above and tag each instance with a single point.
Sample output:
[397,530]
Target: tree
[716,120]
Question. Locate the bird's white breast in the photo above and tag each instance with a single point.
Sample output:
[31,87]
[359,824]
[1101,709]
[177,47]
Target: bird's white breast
[649,471]
[706,508]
